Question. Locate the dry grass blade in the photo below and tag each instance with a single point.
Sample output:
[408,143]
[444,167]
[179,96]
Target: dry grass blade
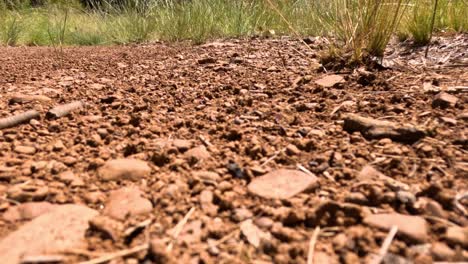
[118,254]
[179,227]
[272,157]
[313,241]
[386,245]
[290,26]
[434,12]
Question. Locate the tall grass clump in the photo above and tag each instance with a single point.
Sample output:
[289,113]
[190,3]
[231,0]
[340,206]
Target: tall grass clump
[450,15]
[199,20]
[363,27]
[10,28]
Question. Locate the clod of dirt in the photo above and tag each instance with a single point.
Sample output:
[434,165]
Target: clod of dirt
[182,145]
[241,214]
[207,60]
[444,100]
[197,154]
[281,184]
[62,228]
[441,251]
[457,235]
[28,150]
[253,234]
[330,213]
[159,254]
[124,169]
[23,193]
[369,173]
[126,202]
[413,227]
[207,176]
[330,81]
[322,257]
[109,227]
[376,129]
[206,202]
[27,211]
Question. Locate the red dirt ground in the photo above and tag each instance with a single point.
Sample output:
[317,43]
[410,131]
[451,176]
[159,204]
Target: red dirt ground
[255,106]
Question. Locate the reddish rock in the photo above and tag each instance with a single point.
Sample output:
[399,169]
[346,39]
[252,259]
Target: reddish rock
[444,100]
[330,81]
[281,184]
[126,202]
[414,227]
[457,235]
[107,226]
[28,211]
[58,230]
[182,145]
[440,252]
[25,150]
[124,169]
[197,154]
[253,234]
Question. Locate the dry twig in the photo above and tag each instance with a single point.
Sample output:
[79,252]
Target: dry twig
[458,205]
[313,241]
[117,254]
[179,227]
[386,245]
[272,157]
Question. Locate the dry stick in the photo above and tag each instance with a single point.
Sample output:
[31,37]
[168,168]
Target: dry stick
[82,252]
[432,27]
[63,110]
[205,141]
[313,241]
[458,205]
[386,245]
[272,157]
[17,119]
[117,254]
[178,228]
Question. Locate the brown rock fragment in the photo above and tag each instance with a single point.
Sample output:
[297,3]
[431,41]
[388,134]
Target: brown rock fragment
[58,230]
[281,184]
[124,169]
[126,202]
[441,251]
[444,100]
[197,154]
[109,227]
[28,211]
[376,129]
[253,234]
[28,150]
[414,227]
[159,254]
[330,81]
[457,235]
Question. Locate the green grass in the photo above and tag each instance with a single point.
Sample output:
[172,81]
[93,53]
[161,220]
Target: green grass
[451,16]
[196,20]
[360,27]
